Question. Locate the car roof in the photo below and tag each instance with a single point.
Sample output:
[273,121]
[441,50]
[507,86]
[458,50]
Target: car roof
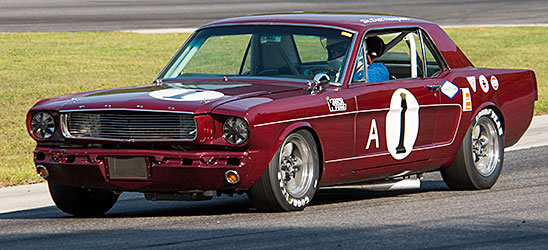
[347,20]
[356,22]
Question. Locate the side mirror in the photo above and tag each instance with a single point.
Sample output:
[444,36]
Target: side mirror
[321,82]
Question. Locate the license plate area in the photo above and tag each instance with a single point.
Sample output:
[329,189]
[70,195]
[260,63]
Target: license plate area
[128,168]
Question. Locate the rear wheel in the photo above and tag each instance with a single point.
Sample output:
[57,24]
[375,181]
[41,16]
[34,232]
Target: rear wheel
[479,160]
[291,178]
[82,201]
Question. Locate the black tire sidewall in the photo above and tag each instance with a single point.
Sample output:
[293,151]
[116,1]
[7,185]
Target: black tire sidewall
[294,203]
[478,180]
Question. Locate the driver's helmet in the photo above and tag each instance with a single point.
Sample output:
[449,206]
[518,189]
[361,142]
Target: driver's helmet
[336,50]
[375,47]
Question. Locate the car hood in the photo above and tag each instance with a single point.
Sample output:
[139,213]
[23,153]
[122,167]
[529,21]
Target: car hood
[198,96]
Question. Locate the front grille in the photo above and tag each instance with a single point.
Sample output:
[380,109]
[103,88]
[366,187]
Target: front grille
[129,125]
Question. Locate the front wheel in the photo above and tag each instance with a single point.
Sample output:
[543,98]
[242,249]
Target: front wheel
[82,201]
[479,160]
[291,178]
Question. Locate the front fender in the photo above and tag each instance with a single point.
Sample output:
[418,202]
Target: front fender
[267,147]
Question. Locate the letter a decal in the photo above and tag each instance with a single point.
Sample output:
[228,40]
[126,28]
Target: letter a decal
[373,135]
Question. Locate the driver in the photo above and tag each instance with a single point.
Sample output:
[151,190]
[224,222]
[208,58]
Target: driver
[376,72]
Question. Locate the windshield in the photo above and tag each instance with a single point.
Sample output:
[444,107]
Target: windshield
[263,51]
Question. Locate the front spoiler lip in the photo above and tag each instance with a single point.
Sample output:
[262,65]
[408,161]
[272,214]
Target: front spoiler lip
[171,170]
[142,152]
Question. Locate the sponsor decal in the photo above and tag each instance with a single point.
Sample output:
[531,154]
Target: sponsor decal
[449,89]
[484,84]
[472,82]
[180,94]
[402,124]
[383,19]
[466,100]
[494,82]
[335,104]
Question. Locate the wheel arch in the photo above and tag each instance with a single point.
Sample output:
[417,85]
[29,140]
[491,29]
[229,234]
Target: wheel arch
[462,174]
[497,111]
[468,122]
[304,126]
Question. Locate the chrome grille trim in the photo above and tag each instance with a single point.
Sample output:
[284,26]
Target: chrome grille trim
[128,125]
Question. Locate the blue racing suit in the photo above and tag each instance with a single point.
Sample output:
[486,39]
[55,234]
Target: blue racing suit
[376,72]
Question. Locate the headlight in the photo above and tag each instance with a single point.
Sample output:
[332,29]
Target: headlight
[42,125]
[235,130]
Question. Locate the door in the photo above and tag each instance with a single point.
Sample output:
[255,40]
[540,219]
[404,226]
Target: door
[396,118]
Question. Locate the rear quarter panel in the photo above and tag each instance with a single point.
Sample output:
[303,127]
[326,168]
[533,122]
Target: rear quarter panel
[513,100]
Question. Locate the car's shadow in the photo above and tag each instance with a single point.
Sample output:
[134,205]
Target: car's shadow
[355,193]
[137,206]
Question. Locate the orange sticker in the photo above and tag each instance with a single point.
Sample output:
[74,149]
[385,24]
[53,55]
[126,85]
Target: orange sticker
[466,100]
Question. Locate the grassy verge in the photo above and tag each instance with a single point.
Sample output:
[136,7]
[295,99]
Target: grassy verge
[34,66]
[508,47]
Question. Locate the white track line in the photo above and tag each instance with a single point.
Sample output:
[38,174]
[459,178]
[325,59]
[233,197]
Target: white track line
[497,25]
[535,136]
[162,31]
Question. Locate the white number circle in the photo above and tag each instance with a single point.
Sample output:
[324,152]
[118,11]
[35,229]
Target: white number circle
[404,110]
[180,94]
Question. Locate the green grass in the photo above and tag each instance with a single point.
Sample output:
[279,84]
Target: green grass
[508,47]
[34,66]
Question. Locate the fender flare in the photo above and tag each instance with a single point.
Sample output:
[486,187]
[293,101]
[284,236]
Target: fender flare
[492,106]
[467,122]
[279,140]
[294,127]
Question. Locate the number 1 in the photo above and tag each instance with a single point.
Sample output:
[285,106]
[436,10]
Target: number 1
[401,149]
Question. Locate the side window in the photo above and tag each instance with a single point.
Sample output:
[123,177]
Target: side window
[432,65]
[401,58]
[395,54]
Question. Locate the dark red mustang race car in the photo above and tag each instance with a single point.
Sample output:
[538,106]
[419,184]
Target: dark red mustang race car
[279,105]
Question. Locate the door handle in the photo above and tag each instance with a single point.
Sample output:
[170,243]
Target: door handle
[433,87]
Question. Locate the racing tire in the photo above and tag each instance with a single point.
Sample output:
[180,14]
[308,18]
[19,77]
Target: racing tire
[82,202]
[291,178]
[479,161]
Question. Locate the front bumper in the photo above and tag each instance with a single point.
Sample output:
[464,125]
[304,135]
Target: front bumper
[168,170]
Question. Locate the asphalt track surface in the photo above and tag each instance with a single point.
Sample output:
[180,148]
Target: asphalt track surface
[511,215]
[113,15]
